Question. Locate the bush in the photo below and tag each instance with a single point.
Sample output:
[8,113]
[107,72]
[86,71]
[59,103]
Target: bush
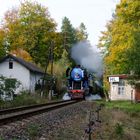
[8,87]
[119,129]
[23,99]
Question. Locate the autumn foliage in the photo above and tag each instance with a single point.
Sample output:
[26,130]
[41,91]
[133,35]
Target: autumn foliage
[120,43]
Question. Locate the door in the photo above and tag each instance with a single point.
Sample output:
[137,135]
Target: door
[137,94]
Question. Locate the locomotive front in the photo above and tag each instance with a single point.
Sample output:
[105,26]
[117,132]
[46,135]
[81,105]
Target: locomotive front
[76,89]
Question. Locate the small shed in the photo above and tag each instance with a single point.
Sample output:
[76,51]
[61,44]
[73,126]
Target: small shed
[120,89]
[27,73]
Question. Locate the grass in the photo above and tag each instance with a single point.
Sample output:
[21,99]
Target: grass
[22,100]
[120,120]
[119,129]
[27,99]
[122,105]
[33,130]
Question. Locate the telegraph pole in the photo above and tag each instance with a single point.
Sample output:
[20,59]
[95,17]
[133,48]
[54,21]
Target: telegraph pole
[52,79]
[44,77]
[51,57]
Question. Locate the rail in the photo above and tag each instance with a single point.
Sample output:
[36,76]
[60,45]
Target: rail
[20,113]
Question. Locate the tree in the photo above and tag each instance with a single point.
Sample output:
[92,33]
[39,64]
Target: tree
[69,34]
[31,29]
[12,31]
[81,33]
[39,29]
[22,54]
[69,37]
[121,40]
[131,13]
[2,50]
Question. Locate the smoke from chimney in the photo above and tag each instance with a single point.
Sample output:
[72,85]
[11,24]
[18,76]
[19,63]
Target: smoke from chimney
[88,57]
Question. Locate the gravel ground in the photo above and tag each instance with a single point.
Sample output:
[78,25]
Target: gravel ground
[67,123]
[70,122]
[119,125]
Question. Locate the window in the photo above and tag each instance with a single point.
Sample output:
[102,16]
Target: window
[121,90]
[10,65]
[121,87]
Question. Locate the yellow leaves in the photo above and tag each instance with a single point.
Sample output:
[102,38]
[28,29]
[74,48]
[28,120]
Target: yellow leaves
[22,54]
[2,34]
[122,39]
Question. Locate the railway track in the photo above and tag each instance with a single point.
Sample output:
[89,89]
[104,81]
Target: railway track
[19,113]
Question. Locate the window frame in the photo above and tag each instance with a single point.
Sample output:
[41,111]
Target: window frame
[10,64]
[121,87]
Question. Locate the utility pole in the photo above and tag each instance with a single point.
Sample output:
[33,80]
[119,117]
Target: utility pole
[51,57]
[44,77]
[52,79]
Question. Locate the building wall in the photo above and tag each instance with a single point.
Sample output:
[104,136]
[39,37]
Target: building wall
[19,72]
[34,78]
[126,95]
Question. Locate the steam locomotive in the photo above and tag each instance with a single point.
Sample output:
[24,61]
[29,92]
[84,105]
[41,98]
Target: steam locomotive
[77,83]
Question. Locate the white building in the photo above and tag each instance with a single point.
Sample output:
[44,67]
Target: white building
[120,89]
[27,73]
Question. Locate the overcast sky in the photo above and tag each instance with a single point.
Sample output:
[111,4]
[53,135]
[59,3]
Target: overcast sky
[93,13]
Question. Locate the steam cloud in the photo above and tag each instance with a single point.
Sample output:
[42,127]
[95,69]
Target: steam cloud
[87,56]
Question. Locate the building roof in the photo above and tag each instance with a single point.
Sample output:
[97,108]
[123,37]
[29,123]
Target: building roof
[122,76]
[26,64]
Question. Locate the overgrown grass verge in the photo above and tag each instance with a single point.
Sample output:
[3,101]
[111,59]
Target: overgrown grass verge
[126,106]
[22,100]
[120,120]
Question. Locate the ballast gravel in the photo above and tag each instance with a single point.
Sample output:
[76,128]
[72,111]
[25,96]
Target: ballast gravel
[67,123]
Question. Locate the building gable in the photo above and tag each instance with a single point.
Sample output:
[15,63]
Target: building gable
[27,73]
[26,64]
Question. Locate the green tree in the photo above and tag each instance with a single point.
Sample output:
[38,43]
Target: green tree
[120,43]
[81,32]
[129,12]
[31,28]
[121,40]
[39,29]
[69,37]
[69,34]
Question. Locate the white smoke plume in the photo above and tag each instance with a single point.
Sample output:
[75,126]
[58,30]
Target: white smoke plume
[88,56]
